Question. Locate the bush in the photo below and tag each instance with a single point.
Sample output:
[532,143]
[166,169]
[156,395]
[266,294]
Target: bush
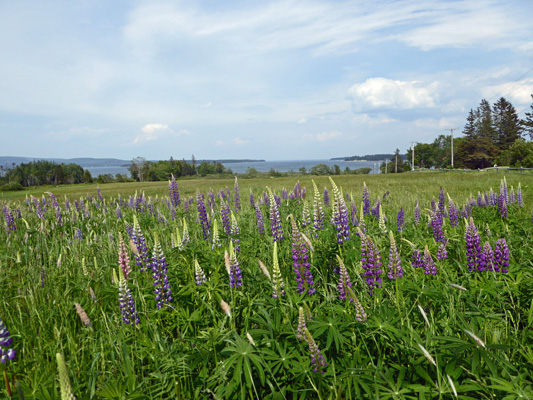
[11,187]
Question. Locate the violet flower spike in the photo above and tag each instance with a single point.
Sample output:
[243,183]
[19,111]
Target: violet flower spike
[300,331]
[344,280]
[199,273]
[317,359]
[318,211]
[473,246]
[235,273]
[259,218]
[123,257]
[126,302]
[429,264]
[6,352]
[277,280]
[301,264]
[275,219]
[395,264]
[400,220]
[501,256]
[417,213]
[366,200]
[202,214]
[162,289]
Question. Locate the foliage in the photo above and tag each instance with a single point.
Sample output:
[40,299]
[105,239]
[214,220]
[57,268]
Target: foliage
[426,336]
[45,173]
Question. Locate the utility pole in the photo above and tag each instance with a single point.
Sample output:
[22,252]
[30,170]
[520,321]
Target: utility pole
[451,130]
[413,156]
[385,165]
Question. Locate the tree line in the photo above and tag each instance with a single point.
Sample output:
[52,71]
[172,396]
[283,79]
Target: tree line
[493,135]
[43,172]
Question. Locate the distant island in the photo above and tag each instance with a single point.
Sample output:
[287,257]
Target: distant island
[368,157]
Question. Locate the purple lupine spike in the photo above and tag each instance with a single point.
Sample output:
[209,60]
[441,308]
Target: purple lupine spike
[202,214]
[344,283]
[429,264]
[317,359]
[480,200]
[395,264]
[453,213]
[252,199]
[375,210]
[235,272]
[400,220]
[10,220]
[142,258]
[162,290]
[98,191]
[436,225]
[235,231]
[326,197]
[473,246]
[284,194]
[519,199]
[236,196]
[301,264]
[225,215]
[173,192]
[259,219]
[370,260]
[417,213]
[275,219]
[442,253]
[353,213]
[340,215]
[418,261]
[488,258]
[67,204]
[126,303]
[119,213]
[502,207]
[433,205]
[366,201]
[503,189]
[501,256]
[486,197]
[306,217]
[6,352]
[442,204]
[78,235]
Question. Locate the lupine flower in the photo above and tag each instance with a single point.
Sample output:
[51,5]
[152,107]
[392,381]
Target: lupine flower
[10,220]
[442,253]
[259,219]
[199,273]
[264,269]
[344,283]
[300,258]
[234,232]
[362,225]
[173,192]
[123,257]
[473,245]
[186,238]
[236,196]
[370,260]
[360,314]
[235,273]
[502,206]
[226,308]
[417,213]
[417,259]
[302,326]
[503,188]
[487,258]
[375,210]
[82,315]
[202,214]
[142,258]
[162,290]
[366,200]
[382,219]
[429,264]
[64,380]
[252,199]
[519,199]
[306,217]
[480,200]
[427,355]
[501,256]
[326,196]
[317,359]
[512,198]
[453,213]
[400,220]
[340,215]
[353,212]
[277,281]
[395,264]
[318,211]
[436,225]
[275,219]
[216,240]
[442,204]
[6,352]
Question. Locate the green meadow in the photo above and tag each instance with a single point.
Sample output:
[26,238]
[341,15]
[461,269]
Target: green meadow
[122,291]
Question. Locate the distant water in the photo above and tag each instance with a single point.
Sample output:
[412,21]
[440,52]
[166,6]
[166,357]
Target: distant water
[264,166]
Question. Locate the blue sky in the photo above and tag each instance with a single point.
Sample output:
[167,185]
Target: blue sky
[253,79]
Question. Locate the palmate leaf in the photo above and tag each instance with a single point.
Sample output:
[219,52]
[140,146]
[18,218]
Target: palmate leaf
[333,329]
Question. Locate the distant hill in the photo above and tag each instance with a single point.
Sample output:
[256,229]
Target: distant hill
[368,157]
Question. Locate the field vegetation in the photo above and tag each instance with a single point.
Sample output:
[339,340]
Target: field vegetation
[404,286]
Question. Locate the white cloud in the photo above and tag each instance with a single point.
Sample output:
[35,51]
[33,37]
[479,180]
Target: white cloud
[323,137]
[240,142]
[516,92]
[302,120]
[219,143]
[206,105]
[157,131]
[387,93]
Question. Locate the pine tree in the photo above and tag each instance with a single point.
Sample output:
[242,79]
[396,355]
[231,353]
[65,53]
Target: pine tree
[484,124]
[470,128]
[506,124]
[527,123]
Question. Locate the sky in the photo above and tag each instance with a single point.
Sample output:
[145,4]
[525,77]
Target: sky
[273,80]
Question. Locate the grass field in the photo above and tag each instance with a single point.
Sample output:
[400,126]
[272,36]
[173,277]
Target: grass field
[342,308]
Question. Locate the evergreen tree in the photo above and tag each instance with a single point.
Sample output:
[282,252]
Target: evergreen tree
[484,123]
[470,128]
[527,123]
[506,124]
